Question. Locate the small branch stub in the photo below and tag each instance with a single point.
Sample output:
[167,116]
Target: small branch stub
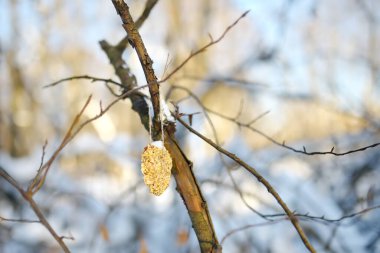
[156,165]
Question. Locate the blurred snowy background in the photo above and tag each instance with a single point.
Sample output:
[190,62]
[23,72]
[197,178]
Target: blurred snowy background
[314,65]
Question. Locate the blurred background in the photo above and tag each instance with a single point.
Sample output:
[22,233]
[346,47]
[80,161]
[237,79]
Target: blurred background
[304,73]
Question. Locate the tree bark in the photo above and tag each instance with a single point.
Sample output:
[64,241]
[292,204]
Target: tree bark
[187,185]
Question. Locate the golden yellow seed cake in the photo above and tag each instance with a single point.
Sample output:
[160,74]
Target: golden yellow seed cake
[156,165]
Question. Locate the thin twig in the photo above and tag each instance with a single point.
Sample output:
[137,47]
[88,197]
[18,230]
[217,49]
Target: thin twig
[306,216]
[43,154]
[139,22]
[238,81]
[260,178]
[227,186]
[202,49]
[92,78]
[322,218]
[271,222]
[208,118]
[249,126]
[302,151]
[337,220]
[29,198]
[145,14]
[18,220]
[257,118]
[39,179]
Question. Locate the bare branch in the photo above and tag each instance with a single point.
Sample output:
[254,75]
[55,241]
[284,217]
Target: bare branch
[251,194]
[43,154]
[260,178]
[302,151]
[267,223]
[146,62]
[39,179]
[18,220]
[254,120]
[92,78]
[271,222]
[204,48]
[187,185]
[208,118]
[249,126]
[145,14]
[322,219]
[232,80]
[11,180]
[344,217]
[29,198]
[140,21]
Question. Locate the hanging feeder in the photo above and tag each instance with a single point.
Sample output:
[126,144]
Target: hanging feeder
[156,165]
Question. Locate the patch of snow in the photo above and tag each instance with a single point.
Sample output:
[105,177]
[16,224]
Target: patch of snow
[158,144]
[166,112]
[150,107]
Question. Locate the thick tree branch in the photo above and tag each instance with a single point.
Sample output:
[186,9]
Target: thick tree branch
[146,62]
[182,171]
[140,21]
[187,185]
[248,125]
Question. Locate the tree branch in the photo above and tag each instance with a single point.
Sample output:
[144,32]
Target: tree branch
[92,78]
[235,185]
[140,21]
[36,209]
[266,223]
[18,220]
[204,48]
[187,185]
[249,126]
[301,151]
[41,175]
[146,62]
[260,178]
[304,216]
